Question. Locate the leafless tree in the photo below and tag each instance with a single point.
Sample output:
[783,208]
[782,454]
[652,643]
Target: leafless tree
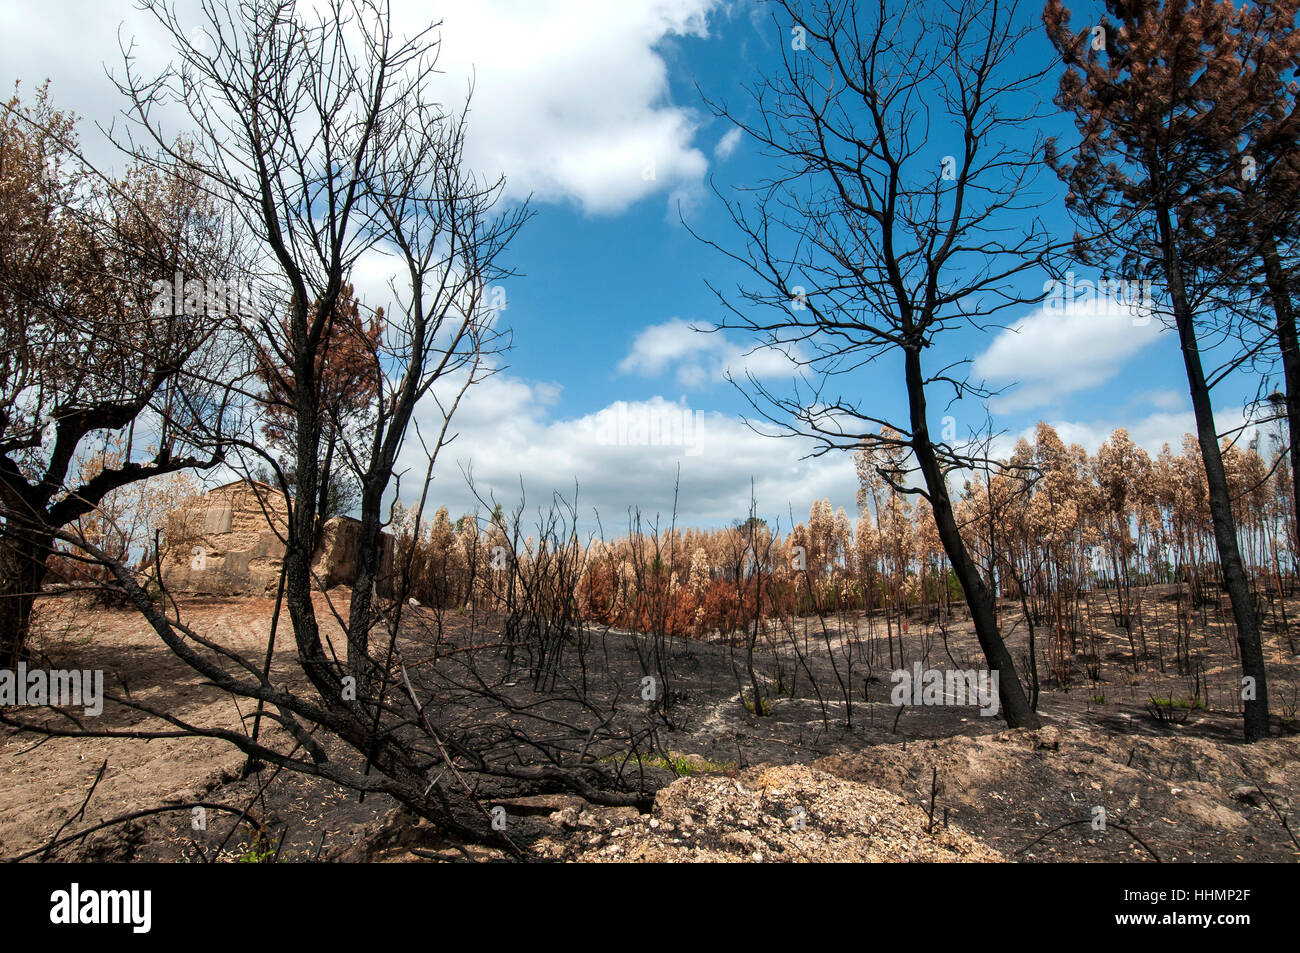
[323,133]
[901,208]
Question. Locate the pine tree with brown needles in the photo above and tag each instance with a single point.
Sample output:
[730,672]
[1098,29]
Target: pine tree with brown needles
[1145,103]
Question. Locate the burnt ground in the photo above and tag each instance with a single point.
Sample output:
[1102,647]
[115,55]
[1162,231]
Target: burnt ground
[925,783]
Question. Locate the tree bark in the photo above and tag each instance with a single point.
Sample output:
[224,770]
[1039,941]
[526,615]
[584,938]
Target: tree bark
[22,572]
[1280,291]
[1225,529]
[1011,694]
[326,478]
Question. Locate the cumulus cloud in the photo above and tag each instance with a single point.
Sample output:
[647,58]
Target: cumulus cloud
[661,345]
[627,454]
[571,97]
[1150,432]
[699,358]
[1060,349]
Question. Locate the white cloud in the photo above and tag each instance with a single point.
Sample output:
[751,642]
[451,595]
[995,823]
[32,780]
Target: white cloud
[571,97]
[660,345]
[727,144]
[375,277]
[627,454]
[38,44]
[699,358]
[1171,400]
[1150,432]
[1056,351]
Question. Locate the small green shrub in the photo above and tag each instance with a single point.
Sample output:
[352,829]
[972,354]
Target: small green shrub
[1174,709]
[259,851]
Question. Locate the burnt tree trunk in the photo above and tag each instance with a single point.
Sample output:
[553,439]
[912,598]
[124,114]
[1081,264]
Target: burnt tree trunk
[1011,694]
[1225,529]
[23,569]
[326,478]
[1280,291]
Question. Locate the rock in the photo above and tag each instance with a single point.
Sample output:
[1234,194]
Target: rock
[1247,794]
[723,820]
[739,839]
[1047,738]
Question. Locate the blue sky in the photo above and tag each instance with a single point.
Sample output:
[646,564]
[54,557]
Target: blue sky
[591,108]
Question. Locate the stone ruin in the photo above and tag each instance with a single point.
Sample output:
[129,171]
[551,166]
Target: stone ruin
[231,542]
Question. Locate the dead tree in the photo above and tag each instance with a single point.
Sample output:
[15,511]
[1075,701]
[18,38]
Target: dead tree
[1149,161]
[899,210]
[319,130]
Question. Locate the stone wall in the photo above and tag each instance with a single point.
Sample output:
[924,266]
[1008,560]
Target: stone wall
[335,562]
[230,542]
